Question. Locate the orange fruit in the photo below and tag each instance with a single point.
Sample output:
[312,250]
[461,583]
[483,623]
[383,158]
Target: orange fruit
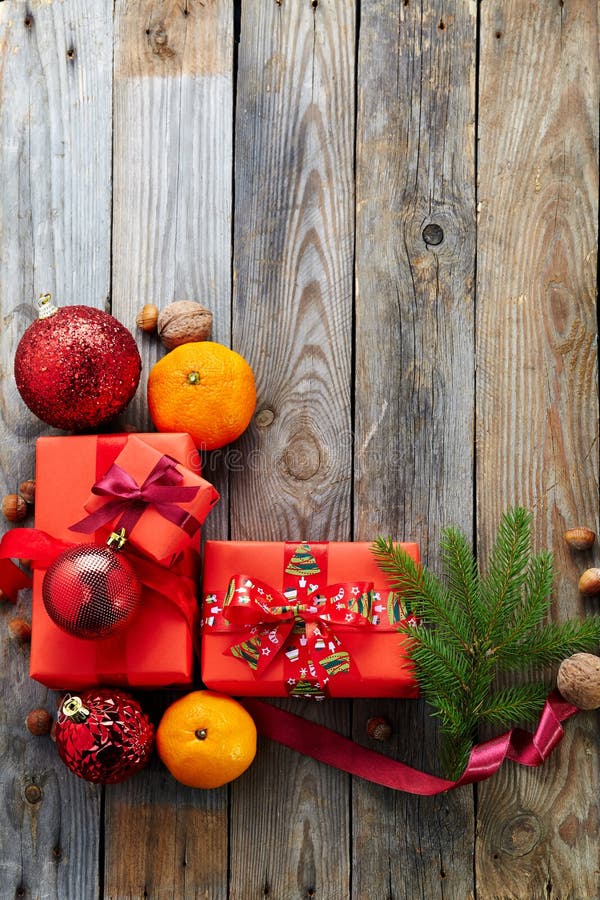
[204,389]
[206,739]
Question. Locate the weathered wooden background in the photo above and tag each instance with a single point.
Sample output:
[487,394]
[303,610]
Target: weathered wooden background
[392,209]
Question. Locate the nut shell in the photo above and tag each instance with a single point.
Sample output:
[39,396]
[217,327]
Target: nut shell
[39,721]
[147,318]
[580,538]
[27,490]
[379,728]
[14,508]
[589,583]
[184,322]
[20,630]
[579,680]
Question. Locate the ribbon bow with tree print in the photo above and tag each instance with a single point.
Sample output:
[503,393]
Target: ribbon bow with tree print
[304,627]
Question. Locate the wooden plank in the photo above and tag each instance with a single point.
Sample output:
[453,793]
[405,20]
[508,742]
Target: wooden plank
[537,390]
[414,383]
[171,240]
[55,141]
[293,239]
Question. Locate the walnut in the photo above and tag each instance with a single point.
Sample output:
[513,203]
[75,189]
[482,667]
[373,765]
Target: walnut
[184,322]
[579,680]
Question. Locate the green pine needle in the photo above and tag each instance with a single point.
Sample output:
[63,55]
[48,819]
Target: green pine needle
[474,626]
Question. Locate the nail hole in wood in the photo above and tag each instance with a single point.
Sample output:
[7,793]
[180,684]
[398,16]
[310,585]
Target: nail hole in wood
[28,21]
[498,35]
[441,25]
[315,3]
[71,54]
[57,853]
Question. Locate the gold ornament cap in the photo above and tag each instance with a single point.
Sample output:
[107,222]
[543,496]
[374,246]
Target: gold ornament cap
[74,709]
[45,306]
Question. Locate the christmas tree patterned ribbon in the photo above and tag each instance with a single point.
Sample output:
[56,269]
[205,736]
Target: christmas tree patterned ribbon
[302,628]
[162,489]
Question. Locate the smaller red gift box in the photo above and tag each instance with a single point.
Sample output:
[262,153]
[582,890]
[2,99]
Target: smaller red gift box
[160,501]
[156,648]
[310,620]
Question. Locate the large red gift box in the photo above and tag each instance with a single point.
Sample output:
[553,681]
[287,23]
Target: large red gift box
[156,648]
[297,619]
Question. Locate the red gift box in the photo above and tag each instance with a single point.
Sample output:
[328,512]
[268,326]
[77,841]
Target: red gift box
[311,620]
[156,649]
[160,502]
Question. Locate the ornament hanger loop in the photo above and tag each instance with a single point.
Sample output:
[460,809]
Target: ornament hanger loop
[74,709]
[117,539]
[45,306]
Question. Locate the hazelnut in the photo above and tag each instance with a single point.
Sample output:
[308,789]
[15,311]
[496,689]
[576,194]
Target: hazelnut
[39,721]
[147,318]
[14,508]
[579,680]
[589,583]
[20,630]
[580,538]
[184,322]
[379,728]
[27,490]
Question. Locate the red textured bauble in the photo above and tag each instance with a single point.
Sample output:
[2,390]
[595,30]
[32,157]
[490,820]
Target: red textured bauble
[76,367]
[91,591]
[103,735]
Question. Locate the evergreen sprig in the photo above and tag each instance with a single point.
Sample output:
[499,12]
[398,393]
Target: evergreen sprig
[474,626]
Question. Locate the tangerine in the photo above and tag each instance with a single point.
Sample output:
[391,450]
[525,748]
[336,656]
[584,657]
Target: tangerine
[206,739]
[205,389]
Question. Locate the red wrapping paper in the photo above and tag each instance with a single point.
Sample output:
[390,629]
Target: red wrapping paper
[156,650]
[379,664]
[153,534]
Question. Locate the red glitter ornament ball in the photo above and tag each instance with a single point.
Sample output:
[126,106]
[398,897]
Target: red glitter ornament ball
[76,367]
[103,735]
[91,591]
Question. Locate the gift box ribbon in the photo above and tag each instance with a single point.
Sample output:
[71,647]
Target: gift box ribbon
[271,621]
[303,624]
[162,489]
[42,549]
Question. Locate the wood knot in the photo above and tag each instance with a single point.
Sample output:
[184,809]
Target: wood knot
[33,794]
[264,417]
[158,39]
[433,234]
[302,458]
[520,835]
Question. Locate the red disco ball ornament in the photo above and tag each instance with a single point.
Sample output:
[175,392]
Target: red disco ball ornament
[103,735]
[75,366]
[91,591]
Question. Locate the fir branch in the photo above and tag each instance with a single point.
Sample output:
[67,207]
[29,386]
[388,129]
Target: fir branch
[428,598]
[533,608]
[507,568]
[460,568]
[552,642]
[511,705]
[473,627]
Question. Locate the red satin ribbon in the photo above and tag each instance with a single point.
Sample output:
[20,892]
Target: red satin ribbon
[162,489]
[41,548]
[12,579]
[335,750]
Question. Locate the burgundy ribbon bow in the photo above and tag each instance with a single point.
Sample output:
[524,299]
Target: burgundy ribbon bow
[162,489]
[270,619]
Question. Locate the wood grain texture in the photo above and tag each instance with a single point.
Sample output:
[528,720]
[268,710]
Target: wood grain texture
[171,240]
[414,382]
[55,144]
[292,319]
[537,389]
